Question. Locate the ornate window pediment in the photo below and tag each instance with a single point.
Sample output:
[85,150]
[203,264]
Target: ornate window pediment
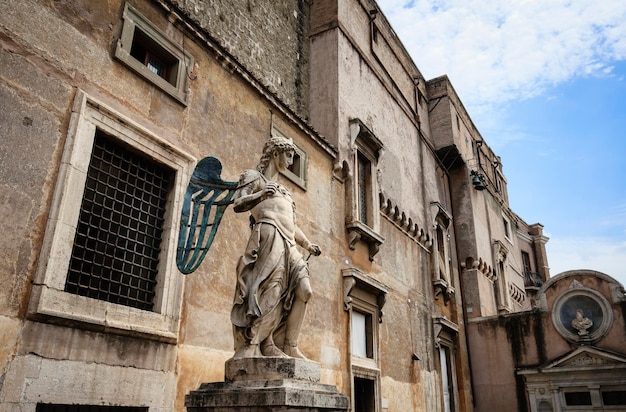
[362,220]
[364,298]
[441,267]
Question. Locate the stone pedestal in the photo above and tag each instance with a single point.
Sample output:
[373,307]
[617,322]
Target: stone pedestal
[268,384]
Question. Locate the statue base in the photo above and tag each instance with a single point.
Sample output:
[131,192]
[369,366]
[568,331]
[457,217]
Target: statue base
[268,384]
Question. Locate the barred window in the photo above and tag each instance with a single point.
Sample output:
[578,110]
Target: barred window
[118,237]
[44,407]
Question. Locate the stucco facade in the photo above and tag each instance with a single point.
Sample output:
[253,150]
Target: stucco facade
[412,249]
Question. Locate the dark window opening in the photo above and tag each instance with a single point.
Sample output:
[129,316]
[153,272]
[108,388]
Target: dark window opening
[526,262]
[296,165]
[364,167]
[614,397]
[156,58]
[577,398]
[364,395]
[46,407]
[116,249]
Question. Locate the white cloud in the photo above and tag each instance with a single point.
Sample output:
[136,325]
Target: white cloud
[499,51]
[495,51]
[602,255]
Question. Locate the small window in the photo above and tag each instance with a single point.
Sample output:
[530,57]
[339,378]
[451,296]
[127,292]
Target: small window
[507,228]
[577,398]
[526,262]
[364,189]
[45,407]
[153,55]
[362,337]
[297,171]
[614,397]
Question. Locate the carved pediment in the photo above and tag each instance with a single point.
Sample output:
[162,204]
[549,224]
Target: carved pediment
[587,356]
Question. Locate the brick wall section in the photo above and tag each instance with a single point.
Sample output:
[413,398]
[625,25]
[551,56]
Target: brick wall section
[270,38]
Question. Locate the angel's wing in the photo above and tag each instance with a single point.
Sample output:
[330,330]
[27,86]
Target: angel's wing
[206,199]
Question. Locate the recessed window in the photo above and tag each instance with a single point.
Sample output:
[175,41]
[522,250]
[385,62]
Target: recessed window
[362,337]
[45,407]
[446,335]
[577,398]
[614,397]
[153,55]
[362,221]
[364,188]
[108,248]
[364,298]
[507,228]
[297,171]
[118,239]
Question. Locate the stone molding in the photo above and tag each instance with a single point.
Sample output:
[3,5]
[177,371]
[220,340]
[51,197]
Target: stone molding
[399,219]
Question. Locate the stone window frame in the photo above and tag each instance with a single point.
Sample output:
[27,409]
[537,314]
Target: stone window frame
[365,295]
[446,335]
[177,87]
[441,225]
[49,301]
[298,174]
[501,289]
[363,143]
[507,228]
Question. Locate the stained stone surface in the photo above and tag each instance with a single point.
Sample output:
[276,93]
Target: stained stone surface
[269,368]
[267,384]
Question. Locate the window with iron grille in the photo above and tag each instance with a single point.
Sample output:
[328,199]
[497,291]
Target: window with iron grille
[108,251]
[46,407]
[118,237]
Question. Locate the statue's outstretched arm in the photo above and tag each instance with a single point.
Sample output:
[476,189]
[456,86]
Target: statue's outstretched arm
[246,199]
[303,241]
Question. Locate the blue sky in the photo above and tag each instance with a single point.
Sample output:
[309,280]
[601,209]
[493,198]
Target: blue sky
[545,83]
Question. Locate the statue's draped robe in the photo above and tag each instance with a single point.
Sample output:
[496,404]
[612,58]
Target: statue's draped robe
[267,276]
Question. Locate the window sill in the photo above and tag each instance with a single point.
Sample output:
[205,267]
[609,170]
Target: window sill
[58,306]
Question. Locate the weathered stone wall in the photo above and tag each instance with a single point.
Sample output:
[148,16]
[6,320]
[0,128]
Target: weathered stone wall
[375,84]
[270,38]
[529,340]
[49,51]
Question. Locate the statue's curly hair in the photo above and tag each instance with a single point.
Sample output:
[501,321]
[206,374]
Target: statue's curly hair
[274,144]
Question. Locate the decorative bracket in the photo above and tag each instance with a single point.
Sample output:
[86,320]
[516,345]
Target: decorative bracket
[355,279]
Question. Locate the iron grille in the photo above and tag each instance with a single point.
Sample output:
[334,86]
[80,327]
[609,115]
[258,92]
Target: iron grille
[45,407]
[118,237]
